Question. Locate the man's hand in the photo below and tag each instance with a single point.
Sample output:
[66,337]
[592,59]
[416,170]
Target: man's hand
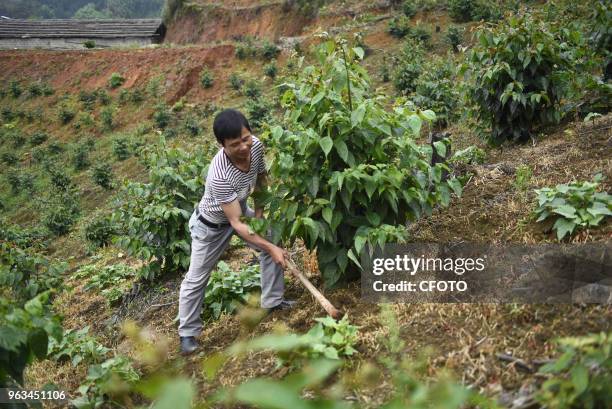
[279,256]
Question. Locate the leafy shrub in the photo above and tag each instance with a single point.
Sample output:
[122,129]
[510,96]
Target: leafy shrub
[106,117]
[518,82]
[35,89]
[38,138]
[137,96]
[102,175]
[121,148]
[89,44]
[361,195]
[252,89]
[61,212]
[235,81]
[258,111]
[153,216]
[9,158]
[454,37]
[77,346]
[581,376]
[436,89]
[59,177]
[103,379]
[65,114]
[116,80]
[228,289]
[55,148]
[80,156]
[17,138]
[26,330]
[409,8]
[99,231]
[15,89]
[110,281]
[420,33]
[206,78]
[467,10]
[124,96]
[332,339]
[162,115]
[246,49]
[84,120]
[270,70]
[409,67]
[170,132]
[192,126]
[7,114]
[104,97]
[269,50]
[469,156]
[20,181]
[399,26]
[522,177]
[574,206]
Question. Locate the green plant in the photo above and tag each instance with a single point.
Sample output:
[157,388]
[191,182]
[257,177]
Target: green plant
[89,44]
[104,97]
[420,33]
[192,126]
[107,118]
[581,376]
[153,216]
[328,108]
[436,89]
[61,212]
[235,81]
[24,335]
[77,346]
[17,138]
[454,37]
[88,99]
[15,89]
[105,379]
[227,289]
[467,10]
[523,177]
[99,231]
[35,89]
[65,114]
[269,50]
[206,78]
[270,70]
[20,181]
[102,175]
[162,115]
[409,67]
[518,77]
[111,281]
[80,156]
[55,148]
[245,49]
[409,8]
[574,206]
[258,111]
[116,80]
[399,26]
[9,158]
[59,178]
[470,155]
[332,339]
[121,148]
[251,89]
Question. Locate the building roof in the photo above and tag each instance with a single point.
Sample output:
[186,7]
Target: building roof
[15,28]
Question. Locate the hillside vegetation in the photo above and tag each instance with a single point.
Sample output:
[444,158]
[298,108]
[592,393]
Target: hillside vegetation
[391,121]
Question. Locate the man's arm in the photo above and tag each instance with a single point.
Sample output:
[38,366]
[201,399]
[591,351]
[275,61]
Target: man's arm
[260,186]
[233,212]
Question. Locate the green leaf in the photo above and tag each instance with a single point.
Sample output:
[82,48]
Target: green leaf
[353,258]
[359,52]
[357,115]
[580,378]
[175,394]
[327,214]
[342,149]
[563,227]
[565,211]
[326,144]
[359,243]
[440,148]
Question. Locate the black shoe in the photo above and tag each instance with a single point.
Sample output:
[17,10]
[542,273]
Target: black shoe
[188,345]
[284,305]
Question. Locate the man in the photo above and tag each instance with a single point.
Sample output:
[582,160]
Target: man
[234,173]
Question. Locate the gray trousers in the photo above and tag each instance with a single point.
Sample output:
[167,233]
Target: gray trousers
[207,245]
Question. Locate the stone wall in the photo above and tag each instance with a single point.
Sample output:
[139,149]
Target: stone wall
[72,43]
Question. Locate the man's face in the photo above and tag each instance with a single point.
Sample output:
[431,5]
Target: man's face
[239,148]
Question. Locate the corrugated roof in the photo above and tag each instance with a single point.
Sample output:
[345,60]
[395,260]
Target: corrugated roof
[14,28]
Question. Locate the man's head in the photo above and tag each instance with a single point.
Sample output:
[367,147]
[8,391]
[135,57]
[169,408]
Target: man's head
[233,132]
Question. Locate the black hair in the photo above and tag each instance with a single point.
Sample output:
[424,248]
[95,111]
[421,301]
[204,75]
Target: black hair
[228,125]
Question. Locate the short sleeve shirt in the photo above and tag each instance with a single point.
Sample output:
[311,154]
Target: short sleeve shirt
[226,183]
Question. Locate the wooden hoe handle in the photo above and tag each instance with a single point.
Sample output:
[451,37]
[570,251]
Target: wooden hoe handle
[329,308]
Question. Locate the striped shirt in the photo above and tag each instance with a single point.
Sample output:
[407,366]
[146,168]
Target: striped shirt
[226,183]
